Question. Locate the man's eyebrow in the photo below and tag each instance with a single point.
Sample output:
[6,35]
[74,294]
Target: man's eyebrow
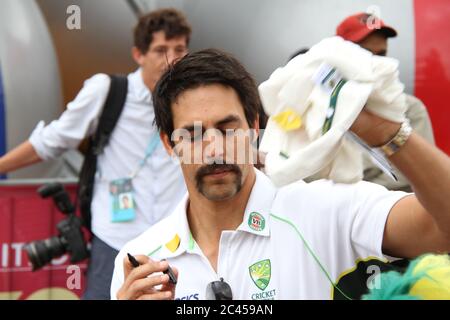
[190,127]
[160,46]
[228,119]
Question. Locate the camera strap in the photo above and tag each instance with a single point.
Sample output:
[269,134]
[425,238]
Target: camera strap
[112,110]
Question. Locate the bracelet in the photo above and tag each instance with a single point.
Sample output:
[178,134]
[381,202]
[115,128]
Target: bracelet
[399,140]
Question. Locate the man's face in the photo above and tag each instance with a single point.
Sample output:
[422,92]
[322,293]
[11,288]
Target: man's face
[215,149]
[125,202]
[376,43]
[161,53]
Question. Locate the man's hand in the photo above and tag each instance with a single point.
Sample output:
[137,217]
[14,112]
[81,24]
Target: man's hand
[374,130]
[141,282]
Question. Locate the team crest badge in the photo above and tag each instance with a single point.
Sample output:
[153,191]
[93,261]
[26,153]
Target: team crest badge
[260,273]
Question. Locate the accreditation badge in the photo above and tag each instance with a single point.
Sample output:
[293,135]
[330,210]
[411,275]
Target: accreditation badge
[122,200]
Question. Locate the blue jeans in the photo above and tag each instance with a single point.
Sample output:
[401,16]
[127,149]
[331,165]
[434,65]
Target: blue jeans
[100,271]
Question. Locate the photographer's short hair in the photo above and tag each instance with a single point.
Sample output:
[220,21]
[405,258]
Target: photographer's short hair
[171,21]
[200,68]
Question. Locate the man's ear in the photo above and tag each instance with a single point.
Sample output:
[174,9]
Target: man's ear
[137,56]
[166,143]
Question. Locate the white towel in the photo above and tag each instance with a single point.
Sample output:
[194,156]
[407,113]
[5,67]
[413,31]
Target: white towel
[298,106]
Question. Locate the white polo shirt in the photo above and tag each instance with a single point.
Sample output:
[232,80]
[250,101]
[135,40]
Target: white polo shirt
[158,186]
[266,257]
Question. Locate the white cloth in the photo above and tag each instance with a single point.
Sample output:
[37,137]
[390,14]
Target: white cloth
[341,223]
[372,82]
[158,186]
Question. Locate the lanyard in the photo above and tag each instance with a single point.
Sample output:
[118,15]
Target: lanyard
[152,145]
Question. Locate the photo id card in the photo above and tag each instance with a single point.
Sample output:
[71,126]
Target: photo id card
[122,200]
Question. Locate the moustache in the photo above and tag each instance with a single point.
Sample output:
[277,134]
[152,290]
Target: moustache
[216,168]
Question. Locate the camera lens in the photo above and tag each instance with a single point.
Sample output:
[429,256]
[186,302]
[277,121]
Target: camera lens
[42,252]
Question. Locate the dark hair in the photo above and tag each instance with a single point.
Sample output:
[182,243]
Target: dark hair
[200,68]
[171,21]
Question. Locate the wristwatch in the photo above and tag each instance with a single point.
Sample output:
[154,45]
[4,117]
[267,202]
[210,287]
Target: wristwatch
[399,140]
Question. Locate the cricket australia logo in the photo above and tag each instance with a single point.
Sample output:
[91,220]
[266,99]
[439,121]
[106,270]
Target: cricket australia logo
[256,221]
[260,273]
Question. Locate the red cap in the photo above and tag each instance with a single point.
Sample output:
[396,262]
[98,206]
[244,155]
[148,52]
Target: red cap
[358,26]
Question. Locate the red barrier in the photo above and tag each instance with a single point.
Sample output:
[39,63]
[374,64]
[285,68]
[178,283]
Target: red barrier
[25,217]
[433,64]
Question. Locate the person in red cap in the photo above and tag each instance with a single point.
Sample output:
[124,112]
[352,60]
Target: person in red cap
[371,33]
[368,31]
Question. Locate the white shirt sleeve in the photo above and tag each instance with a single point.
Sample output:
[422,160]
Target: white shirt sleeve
[370,208]
[78,121]
[351,217]
[354,216]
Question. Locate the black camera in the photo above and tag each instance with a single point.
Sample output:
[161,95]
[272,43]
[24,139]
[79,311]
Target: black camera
[70,238]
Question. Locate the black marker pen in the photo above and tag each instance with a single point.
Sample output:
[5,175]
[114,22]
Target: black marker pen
[133,261]
[169,270]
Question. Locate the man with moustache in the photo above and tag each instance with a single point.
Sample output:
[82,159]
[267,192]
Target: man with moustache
[235,235]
